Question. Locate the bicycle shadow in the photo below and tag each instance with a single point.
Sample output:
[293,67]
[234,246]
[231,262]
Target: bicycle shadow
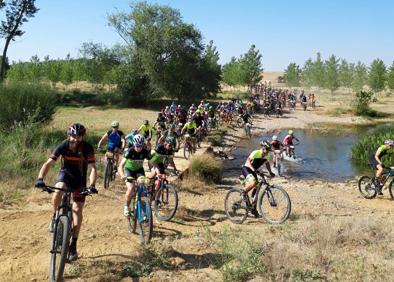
[189,216]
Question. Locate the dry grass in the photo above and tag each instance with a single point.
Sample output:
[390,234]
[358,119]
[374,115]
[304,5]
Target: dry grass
[99,120]
[206,168]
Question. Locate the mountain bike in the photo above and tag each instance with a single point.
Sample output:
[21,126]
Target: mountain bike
[291,152]
[166,200]
[278,112]
[271,201]
[141,219]
[369,186]
[62,230]
[189,147]
[240,121]
[109,167]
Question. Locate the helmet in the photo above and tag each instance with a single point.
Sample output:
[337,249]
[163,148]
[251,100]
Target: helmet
[389,142]
[76,129]
[115,123]
[265,144]
[146,121]
[274,138]
[134,131]
[210,107]
[138,141]
[167,107]
[291,132]
[179,106]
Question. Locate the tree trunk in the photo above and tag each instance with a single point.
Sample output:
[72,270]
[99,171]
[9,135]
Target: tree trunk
[4,58]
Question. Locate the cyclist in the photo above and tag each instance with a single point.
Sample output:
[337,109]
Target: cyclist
[199,120]
[171,136]
[191,128]
[255,160]
[129,137]
[115,141]
[146,131]
[131,167]
[288,141]
[77,155]
[156,163]
[276,147]
[160,125]
[376,161]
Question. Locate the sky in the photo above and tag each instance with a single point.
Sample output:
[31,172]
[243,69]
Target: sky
[284,31]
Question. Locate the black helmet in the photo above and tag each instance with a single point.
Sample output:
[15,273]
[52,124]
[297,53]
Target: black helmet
[76,129]
[265,144]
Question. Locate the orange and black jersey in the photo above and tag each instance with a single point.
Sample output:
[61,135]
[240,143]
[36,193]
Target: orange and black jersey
[76,161]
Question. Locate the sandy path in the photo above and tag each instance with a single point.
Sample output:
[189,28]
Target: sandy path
[106,245]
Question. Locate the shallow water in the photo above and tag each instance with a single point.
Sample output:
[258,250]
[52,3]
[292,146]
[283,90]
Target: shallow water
[324,154]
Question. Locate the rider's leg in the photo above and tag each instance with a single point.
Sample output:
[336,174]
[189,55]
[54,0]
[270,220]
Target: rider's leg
[78,205]
[129,192]
[57,196]
[379,172]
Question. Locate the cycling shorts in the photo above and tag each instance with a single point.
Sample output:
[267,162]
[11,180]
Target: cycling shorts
[74,183]
[134,174]
[249,174]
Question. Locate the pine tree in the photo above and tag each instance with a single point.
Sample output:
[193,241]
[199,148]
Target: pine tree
[331,74]
[377,75]
[360,77]
[292,75]
[390,77]
[345,73]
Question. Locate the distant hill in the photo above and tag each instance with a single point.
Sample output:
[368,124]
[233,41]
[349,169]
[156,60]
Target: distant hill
[271,75]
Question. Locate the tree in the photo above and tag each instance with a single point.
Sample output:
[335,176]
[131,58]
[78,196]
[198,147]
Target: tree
[169,51]
[331,74]
[345,73]
[17,13]
[233,73]
[318,72]
[390,77]
[252,66]
[377,75]
[292,75]
[212,71]
[307,74]
[360,77]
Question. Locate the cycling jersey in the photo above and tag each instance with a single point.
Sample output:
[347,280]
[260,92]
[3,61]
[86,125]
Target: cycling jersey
[258,159]
[114,139]
[289,140]
[75,163]
[276,145]
[382,151]
[129,138]
[135,160]
[170,137]
[159,153]
[145,129]
[161,121]
[190,127]
[198,120]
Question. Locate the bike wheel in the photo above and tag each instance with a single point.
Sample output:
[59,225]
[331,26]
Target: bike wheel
[59,252]
[367,187]
[235,206]
[273,204]
[166,202]
[144,220]
[391,189]
[108,173]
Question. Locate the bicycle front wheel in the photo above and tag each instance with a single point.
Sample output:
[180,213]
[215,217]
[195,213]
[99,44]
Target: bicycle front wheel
[273,204]
[108,173]
[391,189]
[240,122]
[235,207]
[59,252]
[144,220]
[166,202]
[187,150]
[367,187]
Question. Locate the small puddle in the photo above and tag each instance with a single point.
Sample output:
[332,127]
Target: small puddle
[324,153]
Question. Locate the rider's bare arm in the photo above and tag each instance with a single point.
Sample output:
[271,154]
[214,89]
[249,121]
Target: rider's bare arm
[121,167]
[105,136]
[249,164]
[268,166]
[45,168]
[93,174]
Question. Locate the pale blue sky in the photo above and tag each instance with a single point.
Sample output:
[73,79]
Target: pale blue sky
[284,31]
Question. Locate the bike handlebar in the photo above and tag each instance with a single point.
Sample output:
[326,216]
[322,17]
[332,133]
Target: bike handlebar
[85,191]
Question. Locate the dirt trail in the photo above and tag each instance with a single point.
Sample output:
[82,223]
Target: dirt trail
[106,246]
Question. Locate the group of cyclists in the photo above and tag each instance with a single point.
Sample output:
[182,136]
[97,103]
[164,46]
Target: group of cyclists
[172,123]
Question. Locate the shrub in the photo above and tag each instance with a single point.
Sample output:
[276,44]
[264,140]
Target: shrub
[361,104]
[363,149]
[23,103]
[206,168]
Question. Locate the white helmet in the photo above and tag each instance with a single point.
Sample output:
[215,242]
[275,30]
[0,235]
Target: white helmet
[274,138]
[138,141]
[389,142]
